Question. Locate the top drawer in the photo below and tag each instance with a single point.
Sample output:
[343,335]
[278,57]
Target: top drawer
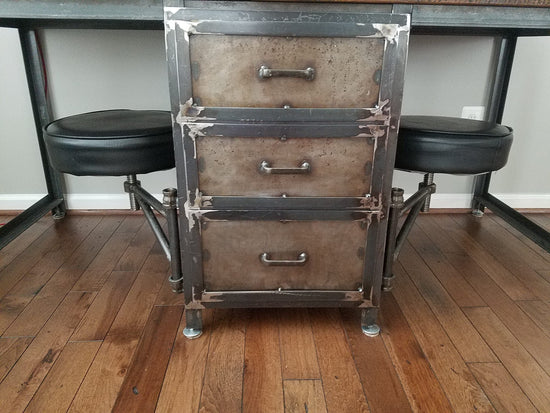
[246,66]
[297,72]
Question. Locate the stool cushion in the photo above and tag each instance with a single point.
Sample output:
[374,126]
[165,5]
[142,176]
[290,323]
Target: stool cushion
[451,145]
[111,143]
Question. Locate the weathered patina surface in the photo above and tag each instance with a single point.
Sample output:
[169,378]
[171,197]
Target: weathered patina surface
[338,166]
[225,71]
[232,249]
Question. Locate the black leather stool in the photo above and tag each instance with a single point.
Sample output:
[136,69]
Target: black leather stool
[436,144]
[122,143]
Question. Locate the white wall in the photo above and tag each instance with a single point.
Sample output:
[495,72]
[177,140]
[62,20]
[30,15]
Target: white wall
[92,70]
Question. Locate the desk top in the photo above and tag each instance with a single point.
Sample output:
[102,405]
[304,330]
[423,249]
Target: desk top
[518,17]
[512,3]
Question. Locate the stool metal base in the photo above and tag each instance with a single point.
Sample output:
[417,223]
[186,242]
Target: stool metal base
[168,208]
[396,238]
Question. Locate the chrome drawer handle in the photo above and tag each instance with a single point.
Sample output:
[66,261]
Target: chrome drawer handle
[265,73]
[301,260]
[304,168]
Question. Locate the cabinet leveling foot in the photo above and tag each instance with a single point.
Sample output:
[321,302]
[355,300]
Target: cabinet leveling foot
[372,331]
[192,333]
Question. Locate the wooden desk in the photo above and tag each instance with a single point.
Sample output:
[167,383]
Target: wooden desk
[506,19]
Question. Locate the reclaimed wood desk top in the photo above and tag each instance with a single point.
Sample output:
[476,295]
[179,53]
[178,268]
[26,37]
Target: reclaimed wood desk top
[517,17]
[511,3]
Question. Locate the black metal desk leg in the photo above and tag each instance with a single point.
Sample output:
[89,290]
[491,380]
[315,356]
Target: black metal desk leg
[41,111]
[482,197]
[54,200]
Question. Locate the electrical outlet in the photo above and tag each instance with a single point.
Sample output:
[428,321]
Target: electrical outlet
[473,112]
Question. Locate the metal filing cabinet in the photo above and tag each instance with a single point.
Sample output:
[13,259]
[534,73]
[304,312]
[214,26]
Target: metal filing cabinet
[284,127]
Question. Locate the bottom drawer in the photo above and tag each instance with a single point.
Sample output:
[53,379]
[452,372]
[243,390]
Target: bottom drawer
[268,255]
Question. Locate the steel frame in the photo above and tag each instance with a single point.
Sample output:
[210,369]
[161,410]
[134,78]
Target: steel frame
[192,121]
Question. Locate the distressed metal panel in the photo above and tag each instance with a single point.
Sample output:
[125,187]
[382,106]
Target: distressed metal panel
[284,298]
[232,249]
[197,113]
[285,214]
[288,130]
[225,71]
[270,203]
[340,167]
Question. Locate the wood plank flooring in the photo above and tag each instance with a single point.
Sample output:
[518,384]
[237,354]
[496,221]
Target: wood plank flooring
[88,323]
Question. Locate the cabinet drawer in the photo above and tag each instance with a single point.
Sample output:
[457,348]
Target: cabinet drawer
[337,167]
[334,255]
[225,71]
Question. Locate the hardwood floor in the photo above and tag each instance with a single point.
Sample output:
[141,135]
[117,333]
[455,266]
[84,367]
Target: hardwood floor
[88,323]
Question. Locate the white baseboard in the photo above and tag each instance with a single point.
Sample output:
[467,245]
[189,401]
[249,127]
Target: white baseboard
[120,201]
[74,201]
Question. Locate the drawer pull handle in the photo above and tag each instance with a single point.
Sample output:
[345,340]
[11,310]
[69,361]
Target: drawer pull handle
[265,73]
[304,168]
[300,260]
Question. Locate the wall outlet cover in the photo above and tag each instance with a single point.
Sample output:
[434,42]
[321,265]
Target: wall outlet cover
[473,112]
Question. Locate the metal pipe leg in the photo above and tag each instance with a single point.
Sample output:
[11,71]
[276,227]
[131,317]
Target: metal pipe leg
[428,180]
[368,321]
[132,180]
[405,229]
[193,327]
[391,236]
[169,202]
[155,226]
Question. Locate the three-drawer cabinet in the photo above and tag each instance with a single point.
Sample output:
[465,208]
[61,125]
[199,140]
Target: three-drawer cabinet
[284,128]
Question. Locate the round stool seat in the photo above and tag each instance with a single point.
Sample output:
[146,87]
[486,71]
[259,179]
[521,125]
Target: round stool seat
[111,142]
[436,144]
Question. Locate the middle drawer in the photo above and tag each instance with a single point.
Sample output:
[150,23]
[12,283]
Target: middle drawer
[308,167]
